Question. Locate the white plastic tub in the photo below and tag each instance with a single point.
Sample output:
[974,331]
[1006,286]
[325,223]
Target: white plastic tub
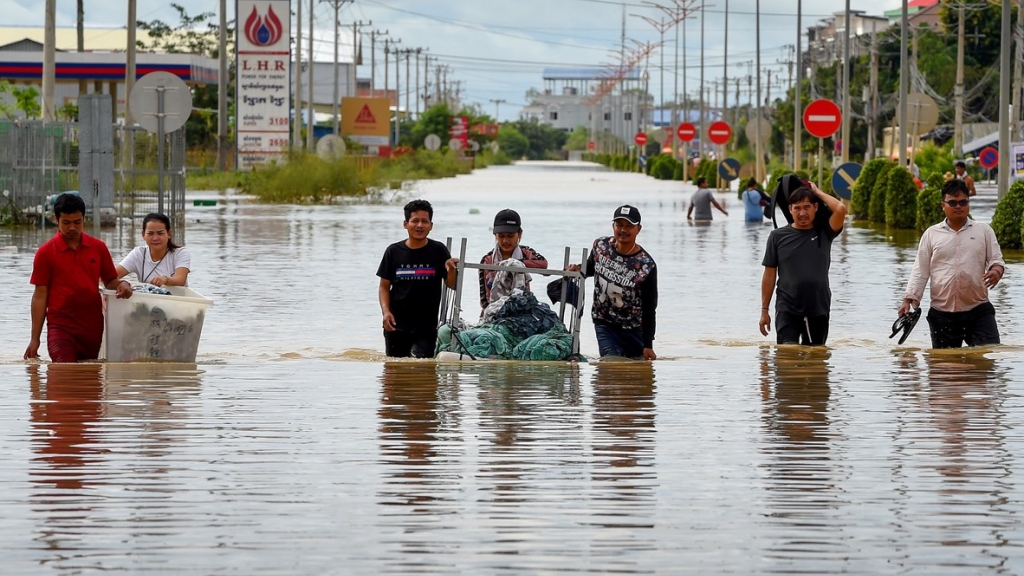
[154,327]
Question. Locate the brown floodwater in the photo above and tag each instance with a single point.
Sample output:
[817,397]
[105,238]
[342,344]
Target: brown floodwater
[292,446]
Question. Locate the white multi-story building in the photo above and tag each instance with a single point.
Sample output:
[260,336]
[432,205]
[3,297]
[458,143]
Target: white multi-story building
[593,98]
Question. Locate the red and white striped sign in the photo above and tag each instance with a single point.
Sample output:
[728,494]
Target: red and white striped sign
[719,132]
[822,118]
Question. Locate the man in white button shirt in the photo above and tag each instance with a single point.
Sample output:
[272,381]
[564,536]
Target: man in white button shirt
[962,260]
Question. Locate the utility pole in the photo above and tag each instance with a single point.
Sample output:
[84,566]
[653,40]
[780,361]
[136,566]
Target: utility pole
[416,94]
[904,85]
[725,68]
[357,56]
[958,89]
[49,60]
[222,88]
[1017,83]
[798,93]
[80,31]
[1004,100]
[297,116]
[872,117]
[408,85]
[425,95]
[703,133]
[373,60]
[336,115]
[398,95]
[311,112]
[497,104]
[758,146]
[844,151]
[129,68]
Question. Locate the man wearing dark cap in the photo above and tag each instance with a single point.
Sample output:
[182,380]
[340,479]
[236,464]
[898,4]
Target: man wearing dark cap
[625,289]
[508,231]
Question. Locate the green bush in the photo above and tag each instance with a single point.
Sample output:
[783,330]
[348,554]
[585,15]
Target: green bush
[861,197]
[663,167]
[932,159]
[306,178]
[929,206]
[876,204]
[1006,222]
[900,199]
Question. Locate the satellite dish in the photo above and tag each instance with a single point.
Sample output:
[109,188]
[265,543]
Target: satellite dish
[144,101]
[432,142]
[455,144]
[330,147]
[474,145]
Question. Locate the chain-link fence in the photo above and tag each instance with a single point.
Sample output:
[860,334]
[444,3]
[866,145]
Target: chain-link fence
[39,160]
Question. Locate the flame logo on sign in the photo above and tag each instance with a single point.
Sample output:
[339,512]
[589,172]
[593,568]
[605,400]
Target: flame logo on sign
[263,31]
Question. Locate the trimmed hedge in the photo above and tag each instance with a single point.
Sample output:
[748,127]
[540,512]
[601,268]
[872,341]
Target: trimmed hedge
[876,204]
[1006,222]
[929,206]
[900,199]
[861,197]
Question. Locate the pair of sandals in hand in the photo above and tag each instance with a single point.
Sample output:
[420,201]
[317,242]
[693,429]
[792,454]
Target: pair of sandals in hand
[905,324]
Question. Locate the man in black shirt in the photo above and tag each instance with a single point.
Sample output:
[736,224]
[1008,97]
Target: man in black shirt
[410,274]
[799,256]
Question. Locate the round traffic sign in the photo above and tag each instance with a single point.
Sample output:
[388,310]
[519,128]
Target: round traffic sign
[729,169]
[591,145]
[988,157]
[640,139]
[843,179]
[719,132]
[432,142]
[922,113]
[145,102]
[330,147]
[765,130]
[822,118]
[455,144]
[686,131]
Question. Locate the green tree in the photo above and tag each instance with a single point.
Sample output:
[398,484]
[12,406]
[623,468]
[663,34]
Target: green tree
[544,140]
[437,120]
[578,138]
[512,142]
[195,35]
[27,100]
[6,108]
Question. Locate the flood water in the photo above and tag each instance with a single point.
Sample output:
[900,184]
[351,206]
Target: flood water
[293,447]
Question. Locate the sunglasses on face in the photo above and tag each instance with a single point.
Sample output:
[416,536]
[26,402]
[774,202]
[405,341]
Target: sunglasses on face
[956,203]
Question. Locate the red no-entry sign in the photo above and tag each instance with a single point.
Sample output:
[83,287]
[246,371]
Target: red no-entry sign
[686,131]
[591,145]
[719,132]
[822,118]
[640,139]
[989,157]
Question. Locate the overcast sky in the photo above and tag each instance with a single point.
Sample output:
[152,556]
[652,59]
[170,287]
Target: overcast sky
[498,48]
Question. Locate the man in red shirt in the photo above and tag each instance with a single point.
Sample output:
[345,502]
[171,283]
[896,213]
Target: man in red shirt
[66,272]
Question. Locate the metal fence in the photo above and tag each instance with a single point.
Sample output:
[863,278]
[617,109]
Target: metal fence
[41,159]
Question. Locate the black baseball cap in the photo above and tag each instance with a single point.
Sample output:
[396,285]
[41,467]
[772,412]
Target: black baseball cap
[507,221]
[628,213]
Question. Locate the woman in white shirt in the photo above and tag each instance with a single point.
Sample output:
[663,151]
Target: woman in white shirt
[159,261]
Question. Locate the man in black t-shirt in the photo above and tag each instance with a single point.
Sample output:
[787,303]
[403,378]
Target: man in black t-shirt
[799,256]
[410,274]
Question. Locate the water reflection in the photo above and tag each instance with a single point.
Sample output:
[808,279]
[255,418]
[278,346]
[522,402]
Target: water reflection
[624,442]
[65,412]
[414,409]
[952,464]
[95,425]
[803,489]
